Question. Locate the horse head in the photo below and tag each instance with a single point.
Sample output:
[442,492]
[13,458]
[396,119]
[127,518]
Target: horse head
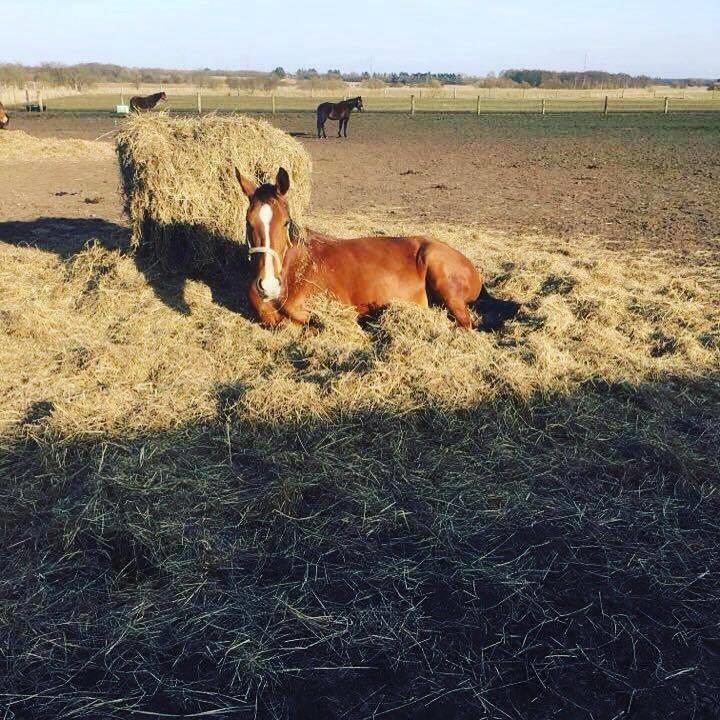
[268,224]
[4,118]
[359,103]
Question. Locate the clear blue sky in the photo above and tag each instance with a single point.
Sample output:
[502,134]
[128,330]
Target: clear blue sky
[659,38]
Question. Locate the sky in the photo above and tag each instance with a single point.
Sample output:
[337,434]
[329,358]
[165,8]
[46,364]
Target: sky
[664,38]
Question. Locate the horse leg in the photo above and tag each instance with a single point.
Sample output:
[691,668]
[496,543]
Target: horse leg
[455,285]
[340,124]
[345,126]
[295,309]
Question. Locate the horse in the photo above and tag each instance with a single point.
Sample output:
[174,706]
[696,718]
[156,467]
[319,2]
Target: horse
[139,103]
[4,117]
[366,273]
[337,111]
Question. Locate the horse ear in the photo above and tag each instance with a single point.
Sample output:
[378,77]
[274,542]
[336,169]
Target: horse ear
[248,186]
[282,182]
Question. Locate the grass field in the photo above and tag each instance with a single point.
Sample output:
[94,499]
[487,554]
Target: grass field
[203,518]
[466,102]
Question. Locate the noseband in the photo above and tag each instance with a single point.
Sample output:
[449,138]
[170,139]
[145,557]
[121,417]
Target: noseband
[266,251]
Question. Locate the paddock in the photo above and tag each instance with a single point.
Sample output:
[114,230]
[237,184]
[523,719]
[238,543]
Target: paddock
[396,518]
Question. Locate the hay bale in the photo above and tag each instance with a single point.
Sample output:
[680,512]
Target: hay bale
[180,188]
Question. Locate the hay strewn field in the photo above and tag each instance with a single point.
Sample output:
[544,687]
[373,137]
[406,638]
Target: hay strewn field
[205,518]
[19,146]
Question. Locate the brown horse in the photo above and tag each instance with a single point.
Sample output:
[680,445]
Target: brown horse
[4,117]
[337,111]
[139,103]
[366,273]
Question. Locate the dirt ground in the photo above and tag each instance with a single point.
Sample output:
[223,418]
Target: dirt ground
[631,179]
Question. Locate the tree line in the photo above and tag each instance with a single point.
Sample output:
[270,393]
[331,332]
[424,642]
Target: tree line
[86,75]
[592,79]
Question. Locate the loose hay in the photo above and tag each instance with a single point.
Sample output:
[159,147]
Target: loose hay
[18,146]
[204,518]
[180,186]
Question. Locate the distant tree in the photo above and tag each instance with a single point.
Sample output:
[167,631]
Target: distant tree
[374,83]
[200,79]
[279,71]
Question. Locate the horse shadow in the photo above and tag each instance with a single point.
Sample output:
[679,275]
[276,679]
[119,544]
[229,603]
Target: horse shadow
[224,267]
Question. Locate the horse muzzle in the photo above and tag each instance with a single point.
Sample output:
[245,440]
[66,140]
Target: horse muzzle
[268,289]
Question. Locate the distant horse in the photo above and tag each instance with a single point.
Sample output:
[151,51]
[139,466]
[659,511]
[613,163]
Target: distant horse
[139,103]
[365,273]
[337,111]
[4,117]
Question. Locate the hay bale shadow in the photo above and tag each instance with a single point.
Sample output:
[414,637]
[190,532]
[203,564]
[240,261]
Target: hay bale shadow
[168,255]
[172,255]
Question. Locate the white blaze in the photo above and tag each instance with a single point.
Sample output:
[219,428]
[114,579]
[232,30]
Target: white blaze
[269,283]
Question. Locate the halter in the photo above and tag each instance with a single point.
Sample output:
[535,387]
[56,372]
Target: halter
[266,251]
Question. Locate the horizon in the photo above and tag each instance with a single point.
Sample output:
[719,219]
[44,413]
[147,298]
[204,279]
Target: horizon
[656,39]
[292,72]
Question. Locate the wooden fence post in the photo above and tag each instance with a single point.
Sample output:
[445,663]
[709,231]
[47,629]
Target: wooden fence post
[412,104]
[199,103]
[478,105]
[40,100]
[543,106]
[27,98]
[273,104]
[605,107]
[455,92]
[666,109]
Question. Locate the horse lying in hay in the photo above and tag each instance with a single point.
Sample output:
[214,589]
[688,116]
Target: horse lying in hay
[365,273]
[148,102]
[337,111]
[4,117]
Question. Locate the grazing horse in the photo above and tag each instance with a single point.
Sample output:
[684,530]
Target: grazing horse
[365,273]
[337,111]
[4,117]
[139,103]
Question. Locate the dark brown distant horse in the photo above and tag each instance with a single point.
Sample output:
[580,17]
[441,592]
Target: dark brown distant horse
[139,103]
[366,273]
[337,111]
[4,118]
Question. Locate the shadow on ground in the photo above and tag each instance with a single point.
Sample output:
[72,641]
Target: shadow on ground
[526,558]
[224,267]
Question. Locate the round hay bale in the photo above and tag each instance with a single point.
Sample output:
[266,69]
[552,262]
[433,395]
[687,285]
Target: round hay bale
[180,188]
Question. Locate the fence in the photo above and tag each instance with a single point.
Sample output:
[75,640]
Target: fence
[460,99]
[13,95]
